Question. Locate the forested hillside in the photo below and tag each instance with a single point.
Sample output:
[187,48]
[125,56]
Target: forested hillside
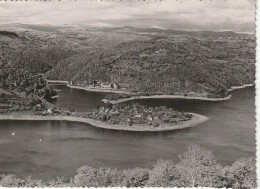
[181,65]
[23,60]
[35,54]
[193,63]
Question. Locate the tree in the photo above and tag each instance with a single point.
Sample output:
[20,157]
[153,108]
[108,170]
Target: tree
[162,173]
[59,182]
[242,174]
[11,181]
[91,177]
[198,167]
[30,183]
[136,177]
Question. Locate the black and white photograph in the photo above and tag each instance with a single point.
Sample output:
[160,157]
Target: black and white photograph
[128,93]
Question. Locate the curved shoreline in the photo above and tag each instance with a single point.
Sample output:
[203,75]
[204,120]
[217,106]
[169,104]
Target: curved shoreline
[57,82]
[177,96]
[149,97]
[102,90]
[240,87]
[196,119]
[165,97]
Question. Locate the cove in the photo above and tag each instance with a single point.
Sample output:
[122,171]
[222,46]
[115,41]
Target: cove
[46,149]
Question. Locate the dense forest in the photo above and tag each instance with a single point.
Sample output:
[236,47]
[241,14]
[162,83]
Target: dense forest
[165,66]
[195,63]
[23,61]
[197,167]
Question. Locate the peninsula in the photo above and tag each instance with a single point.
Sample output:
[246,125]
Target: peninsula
[117,117]
[196,65]
[197,119]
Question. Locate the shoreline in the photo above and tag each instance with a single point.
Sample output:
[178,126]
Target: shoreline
[196,119]
[166,97]
[148,97]
[57,82]
[177,96]
[56,96]
[240,87]
[101,90]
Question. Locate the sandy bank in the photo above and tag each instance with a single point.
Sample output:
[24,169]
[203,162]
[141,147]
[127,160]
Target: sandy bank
[177,96]
[165,97]
[196,119]
[56,96]
[91,89]
[240,87]
[101,90]
[147,97]
[57,82]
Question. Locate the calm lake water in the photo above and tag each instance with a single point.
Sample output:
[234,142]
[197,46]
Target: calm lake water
[46,149]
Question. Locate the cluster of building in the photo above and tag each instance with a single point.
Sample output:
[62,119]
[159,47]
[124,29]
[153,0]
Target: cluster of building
[98,84]
[138,114]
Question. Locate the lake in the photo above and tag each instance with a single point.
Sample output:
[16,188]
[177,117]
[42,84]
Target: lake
[46,149]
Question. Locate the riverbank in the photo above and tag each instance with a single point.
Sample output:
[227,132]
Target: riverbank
[165,97]
[177,96]
[101,90]
[56,96]
[146,97]
[240,87]
[57,82]
[196,119]
[91,89]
